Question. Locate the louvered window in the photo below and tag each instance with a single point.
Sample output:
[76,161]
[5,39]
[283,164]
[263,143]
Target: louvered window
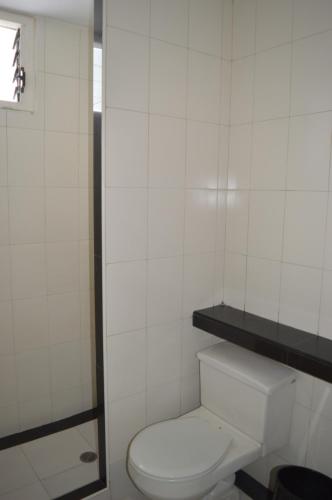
[7,54]
[17,76]
[19,73]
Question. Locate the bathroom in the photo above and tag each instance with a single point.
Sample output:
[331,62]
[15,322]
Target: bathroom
[160,157]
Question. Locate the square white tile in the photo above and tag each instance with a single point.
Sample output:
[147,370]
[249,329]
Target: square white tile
[62,45]
[25,157]
[126,148]
[30,324]
[202,155]
[131,15]
[8,382]
[205,25]
[304,228]
[272,83]
[164,401]
[65,365]
[128,70]
[3,155]
[274,23]
[28,271]
[309,152]
[4,216]
[16,470]
[269,154]
[62,267]
[169,20]
[164,353]
[126,289]
[127,350]
[165,281]
[33,374]
[61,103]
[311,16]
[5,274]
[6,327]
[55,453]
[168,77]
[200,221]
[62,214]
[71,479]
[237,221]
[26,215]
[63,317]
[166,222]
[127,417]
[312,74]
[244,12]
[242,90]
[235,279]
[204,87]
[240,145]
[199,289]
[263,284]
[266,219]
[61,159]
[300,297]
[325,320]
[34,491]
[167,151]
[126,223]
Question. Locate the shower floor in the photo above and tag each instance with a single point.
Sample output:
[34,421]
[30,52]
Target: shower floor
[49,467]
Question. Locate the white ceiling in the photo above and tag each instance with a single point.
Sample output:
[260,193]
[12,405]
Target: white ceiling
[74,11]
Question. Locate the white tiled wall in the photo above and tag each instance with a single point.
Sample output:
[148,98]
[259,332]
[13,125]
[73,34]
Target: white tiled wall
[167,97]
[279,218]
[45,239]
[218,144]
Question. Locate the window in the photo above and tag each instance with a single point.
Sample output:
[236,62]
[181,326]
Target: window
[16,61]
[97,78]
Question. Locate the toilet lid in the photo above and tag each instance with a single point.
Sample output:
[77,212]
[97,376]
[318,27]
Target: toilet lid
[179,448]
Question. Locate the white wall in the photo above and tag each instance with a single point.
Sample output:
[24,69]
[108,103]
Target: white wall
[167,98]
[278,260]
[45,238]
[184,229]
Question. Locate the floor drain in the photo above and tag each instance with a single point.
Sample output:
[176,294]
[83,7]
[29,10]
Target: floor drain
[88,456]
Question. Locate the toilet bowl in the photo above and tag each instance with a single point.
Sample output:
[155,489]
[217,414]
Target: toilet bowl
[246,413]
[189,458]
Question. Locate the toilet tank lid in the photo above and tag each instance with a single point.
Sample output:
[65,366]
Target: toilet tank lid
[255,370]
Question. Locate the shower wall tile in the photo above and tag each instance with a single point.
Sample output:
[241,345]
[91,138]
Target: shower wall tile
[205,26]
[46,236]
[129,62]
[169,21]
[25,157]
[168,79]
[126,148]
[131,15]
[167,152]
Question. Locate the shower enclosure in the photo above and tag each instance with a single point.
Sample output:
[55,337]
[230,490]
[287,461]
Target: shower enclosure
[51,370]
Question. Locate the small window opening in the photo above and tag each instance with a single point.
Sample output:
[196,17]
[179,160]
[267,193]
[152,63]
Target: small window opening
[12,81]
[97,79]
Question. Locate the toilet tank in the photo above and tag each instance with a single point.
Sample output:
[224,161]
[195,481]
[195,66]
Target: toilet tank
[250,392]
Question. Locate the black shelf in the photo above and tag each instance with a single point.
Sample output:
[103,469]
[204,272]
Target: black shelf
[301,350]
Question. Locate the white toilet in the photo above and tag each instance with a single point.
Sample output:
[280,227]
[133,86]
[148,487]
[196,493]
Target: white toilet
[245,413]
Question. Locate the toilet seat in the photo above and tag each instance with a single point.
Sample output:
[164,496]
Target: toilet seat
[238,451]
[179,449]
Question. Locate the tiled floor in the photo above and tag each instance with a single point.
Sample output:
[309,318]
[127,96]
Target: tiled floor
[48,467]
